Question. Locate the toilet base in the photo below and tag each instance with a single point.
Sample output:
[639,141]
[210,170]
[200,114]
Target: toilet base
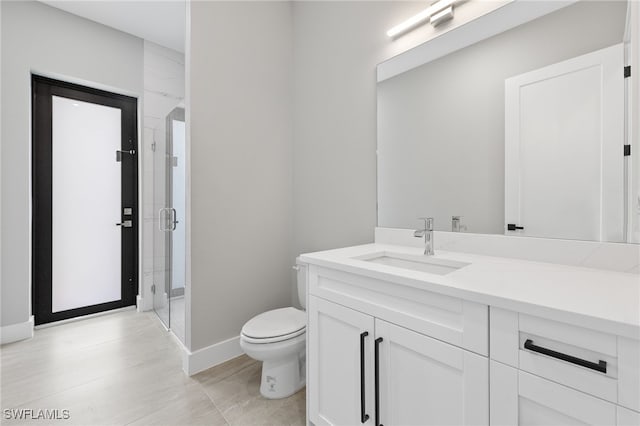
[283,365]
[283,377]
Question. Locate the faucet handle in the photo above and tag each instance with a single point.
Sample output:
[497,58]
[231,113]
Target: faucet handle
[428,223]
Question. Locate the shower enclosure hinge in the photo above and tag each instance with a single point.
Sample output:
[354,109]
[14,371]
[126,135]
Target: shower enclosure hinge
[627,150]
[153,146]
[627,71]
[153,289]
[175,161]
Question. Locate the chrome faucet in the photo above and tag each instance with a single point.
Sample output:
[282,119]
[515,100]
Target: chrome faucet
[427,233]
[456,224]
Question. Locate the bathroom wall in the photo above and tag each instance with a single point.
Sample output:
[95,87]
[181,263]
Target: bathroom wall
[38,38]
[282,103]
[239,93]
[337,46]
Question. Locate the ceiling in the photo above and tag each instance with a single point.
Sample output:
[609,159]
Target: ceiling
[161,22]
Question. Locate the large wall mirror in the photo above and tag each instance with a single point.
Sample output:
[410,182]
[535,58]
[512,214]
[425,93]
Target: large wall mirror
[522,133]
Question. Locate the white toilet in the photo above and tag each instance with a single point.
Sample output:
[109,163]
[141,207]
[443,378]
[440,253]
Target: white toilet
[278,339]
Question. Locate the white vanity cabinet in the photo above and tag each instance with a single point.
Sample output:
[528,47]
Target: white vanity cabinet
[483,345]
[367,364]
[335,358]
[520,398]
[546,372]
[424,381]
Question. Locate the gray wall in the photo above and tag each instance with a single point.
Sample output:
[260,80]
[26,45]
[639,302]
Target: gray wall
[441,125]
[283,128]
[38,38]
[337,46]
[241,157]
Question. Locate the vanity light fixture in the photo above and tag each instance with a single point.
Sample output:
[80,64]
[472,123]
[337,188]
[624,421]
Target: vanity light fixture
[440,17]
[437,13]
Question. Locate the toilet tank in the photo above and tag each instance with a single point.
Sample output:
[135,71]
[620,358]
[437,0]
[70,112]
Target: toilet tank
[302,283]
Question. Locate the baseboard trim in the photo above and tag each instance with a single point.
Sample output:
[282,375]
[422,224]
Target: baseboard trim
[144,304]
[202,359]
[15,332]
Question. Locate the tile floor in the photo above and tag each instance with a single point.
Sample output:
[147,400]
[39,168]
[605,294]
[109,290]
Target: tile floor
[124,368]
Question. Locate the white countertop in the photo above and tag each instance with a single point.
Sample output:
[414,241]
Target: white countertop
[602,300]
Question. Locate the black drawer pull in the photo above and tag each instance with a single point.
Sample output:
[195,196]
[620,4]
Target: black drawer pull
[601,366]
[363,415]
[377,378]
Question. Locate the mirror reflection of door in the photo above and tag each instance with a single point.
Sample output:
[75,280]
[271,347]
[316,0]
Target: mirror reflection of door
[564,160]
[85,195]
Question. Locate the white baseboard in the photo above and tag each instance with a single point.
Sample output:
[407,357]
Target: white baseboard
[202,359]
[15,332]
[144,304]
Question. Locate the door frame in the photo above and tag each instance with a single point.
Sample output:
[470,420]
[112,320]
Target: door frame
[41,173]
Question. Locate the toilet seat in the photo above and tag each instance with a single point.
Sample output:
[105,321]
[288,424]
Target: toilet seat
[275,326]
[276,339]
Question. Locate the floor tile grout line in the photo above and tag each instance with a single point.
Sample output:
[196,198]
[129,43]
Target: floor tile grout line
[178,391]
[55,393]
[75,386]
[150,414]
[214,403]
[79,351]
[231,374]
[67,389]
[144,331]
[82,347]
[221,380]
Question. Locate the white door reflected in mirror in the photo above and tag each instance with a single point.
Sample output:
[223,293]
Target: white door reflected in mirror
[564,161]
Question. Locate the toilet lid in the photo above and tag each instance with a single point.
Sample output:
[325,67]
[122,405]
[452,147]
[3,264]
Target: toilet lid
[278,322]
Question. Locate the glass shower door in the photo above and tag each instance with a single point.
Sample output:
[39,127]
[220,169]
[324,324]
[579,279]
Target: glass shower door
[164,79]
[170,236]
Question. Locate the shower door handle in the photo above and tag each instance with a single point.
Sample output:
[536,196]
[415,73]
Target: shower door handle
[174,221]
[167,219]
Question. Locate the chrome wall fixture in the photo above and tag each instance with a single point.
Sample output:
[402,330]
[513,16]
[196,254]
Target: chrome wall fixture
[437,13]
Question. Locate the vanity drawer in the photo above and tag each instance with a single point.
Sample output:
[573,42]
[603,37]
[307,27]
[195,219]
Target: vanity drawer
[449,319]
[600,364]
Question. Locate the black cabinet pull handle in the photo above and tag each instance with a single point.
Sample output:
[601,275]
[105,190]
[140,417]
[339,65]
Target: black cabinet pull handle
[601,366]
[363,415]
[377,378]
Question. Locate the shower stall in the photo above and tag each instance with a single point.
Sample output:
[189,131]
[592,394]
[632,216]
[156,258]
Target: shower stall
[165,185]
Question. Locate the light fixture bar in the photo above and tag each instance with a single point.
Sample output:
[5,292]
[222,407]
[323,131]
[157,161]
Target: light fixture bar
[420,18]
[442,16]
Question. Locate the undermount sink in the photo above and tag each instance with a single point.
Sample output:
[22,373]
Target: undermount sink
[429,264]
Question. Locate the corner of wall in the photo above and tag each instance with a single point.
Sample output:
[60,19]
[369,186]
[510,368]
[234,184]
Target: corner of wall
[210,356]
[15,332]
